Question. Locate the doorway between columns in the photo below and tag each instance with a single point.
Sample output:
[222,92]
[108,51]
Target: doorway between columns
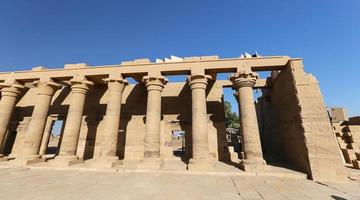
[178,143]
[53,138]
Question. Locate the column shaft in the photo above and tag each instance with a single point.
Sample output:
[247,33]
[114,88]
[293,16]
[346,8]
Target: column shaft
[154,86]
[249,124]
[243,83]
[33,136]
[200,141]
[70,137]
[112,119]
[7,105]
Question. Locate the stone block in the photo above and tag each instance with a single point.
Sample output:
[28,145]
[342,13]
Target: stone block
[151,164]
[173,165]
[207,58]
[64,161]
[338,114]
[25,161]
[201,165]
[194,58]
[76,66]
[39,68]
[356,164]
[253,166]
[104,162]
[130,164]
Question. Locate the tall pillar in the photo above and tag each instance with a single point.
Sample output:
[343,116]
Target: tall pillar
[108,144]
[67,153]
[154,87]
[240,149]
[33,136]
[243,82]
[200,141]
[9,93]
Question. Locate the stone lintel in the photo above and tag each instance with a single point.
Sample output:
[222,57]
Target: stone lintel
[137,61]
[38,68]
[76,66]
[193,58]
[207,58]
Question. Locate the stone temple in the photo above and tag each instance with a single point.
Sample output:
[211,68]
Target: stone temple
[155,124]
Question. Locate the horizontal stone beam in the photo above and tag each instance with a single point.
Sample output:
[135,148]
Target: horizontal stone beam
[215,66]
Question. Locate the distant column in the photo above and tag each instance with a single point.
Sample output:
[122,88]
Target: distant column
[200,141]
[154,86]
[33,136]
[241,153]
[243,82]
[110,133]
[79,89]
[10,94]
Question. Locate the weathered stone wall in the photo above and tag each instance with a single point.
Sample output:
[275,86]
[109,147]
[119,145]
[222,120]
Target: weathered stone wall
[323,153]
[301,125]
[176,115]
[270,143]
[288,131]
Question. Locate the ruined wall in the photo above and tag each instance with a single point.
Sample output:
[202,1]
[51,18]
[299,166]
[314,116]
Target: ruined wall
[324,156]
[288,132]
[176,115]
[270,143]
[302,126]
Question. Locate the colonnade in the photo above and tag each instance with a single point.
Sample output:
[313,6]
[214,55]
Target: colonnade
[243,82]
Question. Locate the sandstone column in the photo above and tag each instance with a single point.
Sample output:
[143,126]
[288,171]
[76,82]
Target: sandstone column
[243,82]
[241,153]
[200,143]
[109,138]
[154,87]
[67,154]
[9,93]
[33,136]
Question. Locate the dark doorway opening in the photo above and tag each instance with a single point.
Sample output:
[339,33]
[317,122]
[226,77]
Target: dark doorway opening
[178,143]
[9,141]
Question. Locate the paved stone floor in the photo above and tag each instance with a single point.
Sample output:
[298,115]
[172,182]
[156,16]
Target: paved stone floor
[38,184]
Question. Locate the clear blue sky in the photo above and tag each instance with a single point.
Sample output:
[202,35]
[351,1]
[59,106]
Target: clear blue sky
[325,33]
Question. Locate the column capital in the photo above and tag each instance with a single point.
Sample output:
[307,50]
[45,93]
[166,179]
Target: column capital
[80,85]
[198,81]
[46,87]
[154,82]
[11,89]
[120,80]
[244,78]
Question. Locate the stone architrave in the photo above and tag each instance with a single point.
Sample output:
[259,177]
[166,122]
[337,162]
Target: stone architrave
[67,153]
[10,94]
[243,82]
[35,131]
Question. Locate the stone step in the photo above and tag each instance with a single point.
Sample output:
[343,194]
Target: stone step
[356,164]
[347,134]
[342,144]
[349,155]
